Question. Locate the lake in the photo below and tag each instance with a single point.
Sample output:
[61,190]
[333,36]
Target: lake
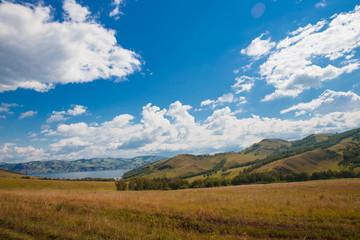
[92,174]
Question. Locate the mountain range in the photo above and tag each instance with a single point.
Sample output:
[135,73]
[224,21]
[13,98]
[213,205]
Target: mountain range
[317,152]
[81,165]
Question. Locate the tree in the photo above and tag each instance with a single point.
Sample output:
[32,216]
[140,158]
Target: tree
[121,185]
[132,185]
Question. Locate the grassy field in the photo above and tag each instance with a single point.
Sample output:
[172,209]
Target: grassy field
[8,174]
[38,209]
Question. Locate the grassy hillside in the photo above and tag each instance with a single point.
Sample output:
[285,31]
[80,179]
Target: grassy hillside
[190,166]
[48,209]
[9,174]
[308,162]
[317,152]
[81,165]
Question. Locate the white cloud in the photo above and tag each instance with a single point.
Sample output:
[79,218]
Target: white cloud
[27,114]
[258,47]
[311,55]
[329,101]
[58,116]
[68,145]
[116,11]
[78,110]
[174,130]
[10,152]
[243,84]
[5,107]
[38,53]
[321,4]
[75,12]
[226,98]
[32,135]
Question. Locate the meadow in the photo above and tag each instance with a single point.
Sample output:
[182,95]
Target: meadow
[48,209]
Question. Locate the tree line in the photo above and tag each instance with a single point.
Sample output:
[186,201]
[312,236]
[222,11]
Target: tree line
[140,184]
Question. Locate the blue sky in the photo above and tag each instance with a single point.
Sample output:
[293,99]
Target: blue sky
[123,78]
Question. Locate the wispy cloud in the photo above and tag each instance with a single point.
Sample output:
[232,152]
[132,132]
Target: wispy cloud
[321,4]
[6,108]
[329,101]
[224,99]
[27,114]
[116,12]
[243,84]
[59,116]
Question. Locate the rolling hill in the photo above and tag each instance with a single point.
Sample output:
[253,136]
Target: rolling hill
[317,152]
[81,165]
[9,174]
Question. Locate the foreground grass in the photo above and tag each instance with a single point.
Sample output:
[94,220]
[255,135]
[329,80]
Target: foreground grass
[37,184]
[313,210]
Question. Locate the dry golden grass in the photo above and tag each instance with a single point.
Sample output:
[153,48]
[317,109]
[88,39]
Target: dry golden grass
[8,174]
[308,162]
[37,184]
[185,165]
[312,210]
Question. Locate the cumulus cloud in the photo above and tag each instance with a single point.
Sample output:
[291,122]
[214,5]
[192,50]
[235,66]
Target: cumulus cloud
[38,52]
[258,47]
[329,101]
[174,130]
[75,12]
[58,116]
[68,145]
[226,98]
[10,152]
[27,114]
[310,55]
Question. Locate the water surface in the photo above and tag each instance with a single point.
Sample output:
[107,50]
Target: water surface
[91,174]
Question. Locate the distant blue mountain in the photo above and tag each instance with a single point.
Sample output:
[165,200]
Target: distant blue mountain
[81,165]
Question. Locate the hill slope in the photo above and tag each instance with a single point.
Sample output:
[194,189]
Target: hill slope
[8,174]
[309,162]
[81,165]
[317,152]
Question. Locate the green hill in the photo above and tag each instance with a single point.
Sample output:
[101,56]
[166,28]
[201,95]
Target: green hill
[317,152]
[81,165]
[308,162]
